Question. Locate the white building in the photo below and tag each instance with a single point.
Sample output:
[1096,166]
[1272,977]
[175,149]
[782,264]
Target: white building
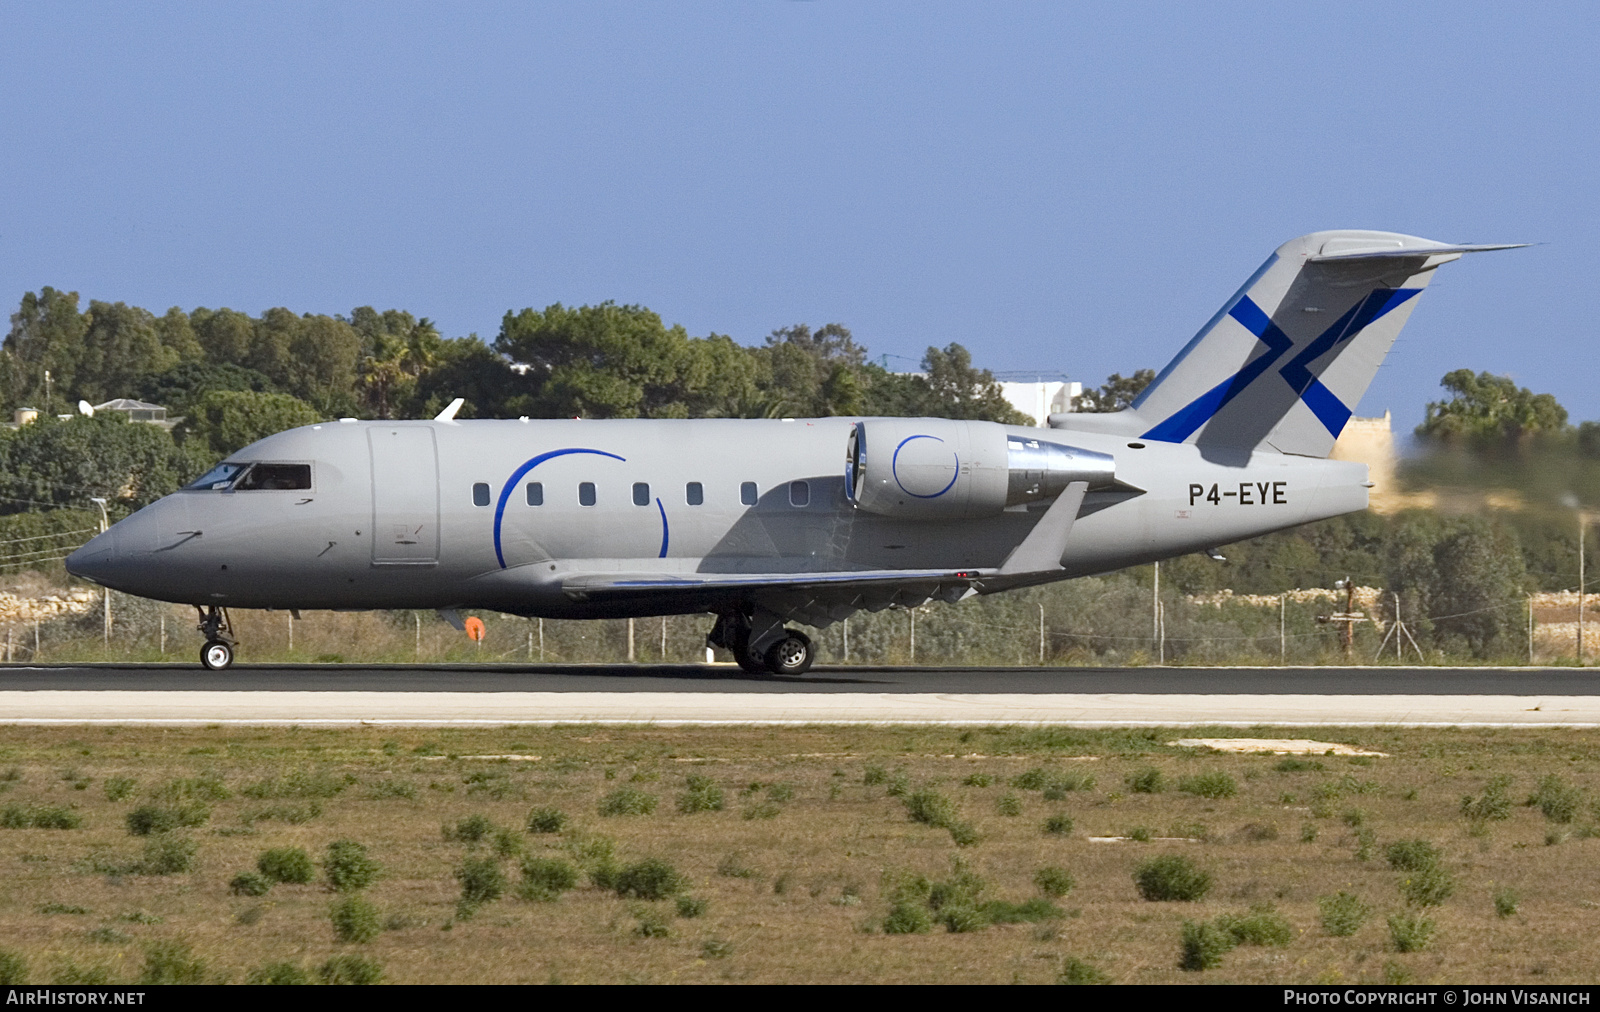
[1039,400]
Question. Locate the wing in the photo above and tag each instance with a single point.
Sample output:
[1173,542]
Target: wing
[816,599]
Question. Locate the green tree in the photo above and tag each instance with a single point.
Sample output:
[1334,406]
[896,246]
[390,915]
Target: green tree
[1487,412]
[810,374]
[46,335]
[223,421]
[122,342]
[64,463]
[1118,392]
[949,387]
[226,336]
[181,386]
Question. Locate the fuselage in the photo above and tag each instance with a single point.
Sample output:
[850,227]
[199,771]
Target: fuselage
[500,514]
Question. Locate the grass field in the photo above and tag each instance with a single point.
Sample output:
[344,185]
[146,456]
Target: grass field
[795,854]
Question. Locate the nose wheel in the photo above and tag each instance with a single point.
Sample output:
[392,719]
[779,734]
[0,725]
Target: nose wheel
[217,628]
[217,655]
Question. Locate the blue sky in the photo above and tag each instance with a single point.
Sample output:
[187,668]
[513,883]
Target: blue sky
[1060,187]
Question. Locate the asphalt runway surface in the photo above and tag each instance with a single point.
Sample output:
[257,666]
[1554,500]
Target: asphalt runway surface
[500,694]
[700,678]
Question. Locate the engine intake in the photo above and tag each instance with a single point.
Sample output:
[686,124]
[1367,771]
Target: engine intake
[940,467]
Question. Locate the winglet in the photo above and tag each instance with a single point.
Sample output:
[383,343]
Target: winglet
[449,412]
[1041,550]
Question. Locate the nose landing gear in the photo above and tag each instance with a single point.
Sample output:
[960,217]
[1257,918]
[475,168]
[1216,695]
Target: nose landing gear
[217,628]
[761,645]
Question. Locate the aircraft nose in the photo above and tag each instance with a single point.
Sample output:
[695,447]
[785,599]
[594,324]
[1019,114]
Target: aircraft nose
[97,559]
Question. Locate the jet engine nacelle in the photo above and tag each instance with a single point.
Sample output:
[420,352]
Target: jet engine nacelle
[938,467]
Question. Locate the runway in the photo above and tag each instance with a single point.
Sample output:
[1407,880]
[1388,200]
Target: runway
[714,694]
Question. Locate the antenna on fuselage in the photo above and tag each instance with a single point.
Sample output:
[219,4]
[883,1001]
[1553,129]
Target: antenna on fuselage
[449,412]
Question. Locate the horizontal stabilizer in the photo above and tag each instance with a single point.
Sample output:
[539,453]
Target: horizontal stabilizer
[1384,252]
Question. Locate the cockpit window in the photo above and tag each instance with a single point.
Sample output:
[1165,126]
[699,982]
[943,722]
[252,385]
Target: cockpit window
[219,477]
[266,477]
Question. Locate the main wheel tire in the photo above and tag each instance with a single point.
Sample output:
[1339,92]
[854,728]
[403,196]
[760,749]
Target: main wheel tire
[741,656]
[791,655]
[216,655]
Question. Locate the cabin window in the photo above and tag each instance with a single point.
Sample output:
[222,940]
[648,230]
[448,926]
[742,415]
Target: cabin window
[694,494]
[641,493]
[747,493]
[586,493]
[281,477]
[799,493]
[480,494]
[535,493]
[219,477]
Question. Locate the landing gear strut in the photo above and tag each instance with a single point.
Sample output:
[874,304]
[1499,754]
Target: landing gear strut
[215,626]
[761,645]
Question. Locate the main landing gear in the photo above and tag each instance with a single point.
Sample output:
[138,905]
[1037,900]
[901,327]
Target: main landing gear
[217,654]
[761,645]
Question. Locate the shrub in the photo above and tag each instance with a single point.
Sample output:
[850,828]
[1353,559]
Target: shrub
[930,808]
[347,866]
[652,925]
[53,817]
[963,834]
[278,973]
[628,801]
[506,843]
[1141,834]
[546,820]
[1299,766]
[297,784]
[874,775]
[117,788]
[1204,945]
[248,883]
[1171,878]
[545,878]
[148,819]
[1027,912]
[1505,902]
[732,867]
[482,881]
[1076,971]
[689,906]
[1342,914]
[1008,804]
[1262,926]
[1058,825]
[350,969]
[899,785]
[13,968]
[1215,784]
[650,879]
[781,793]
[1059,785]
[393,789]
[1493,805]
[703,795]
[960,918]
[1410,932]
[908,918]
[171,963]
[203,788]
[471,829]
[1427,888]
[761,810]
[355,919]
[1411,855]
[290,865]
[1053,881]
[168,855]
[716,948]
[1148,780]
[1557,799]
[1036,779]
[977,780]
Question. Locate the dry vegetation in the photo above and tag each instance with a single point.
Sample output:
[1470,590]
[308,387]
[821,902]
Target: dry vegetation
[784,854]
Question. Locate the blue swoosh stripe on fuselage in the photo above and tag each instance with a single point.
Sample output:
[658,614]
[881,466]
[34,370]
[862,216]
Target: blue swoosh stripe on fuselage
[516,476]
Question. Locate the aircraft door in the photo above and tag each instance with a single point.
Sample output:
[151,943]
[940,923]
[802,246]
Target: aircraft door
[405,495]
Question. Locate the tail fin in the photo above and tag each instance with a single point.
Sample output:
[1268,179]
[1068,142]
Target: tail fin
[1284,362]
